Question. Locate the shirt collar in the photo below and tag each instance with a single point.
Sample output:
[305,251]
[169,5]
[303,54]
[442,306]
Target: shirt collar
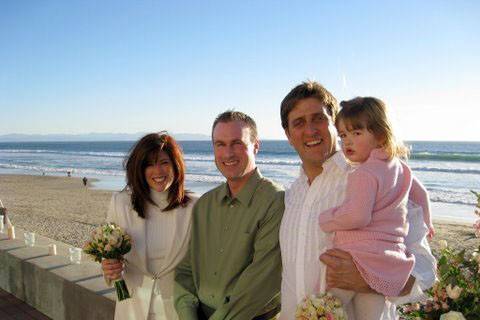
[160,198]
[246,193]
[337,159]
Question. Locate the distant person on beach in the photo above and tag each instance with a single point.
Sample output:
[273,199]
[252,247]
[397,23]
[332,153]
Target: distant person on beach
[4,212]
[308,114]
[69,174]
[233,267]
[155,210]
[85,180]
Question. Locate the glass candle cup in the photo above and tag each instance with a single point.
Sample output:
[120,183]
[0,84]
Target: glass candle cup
[29,238]
[75,255]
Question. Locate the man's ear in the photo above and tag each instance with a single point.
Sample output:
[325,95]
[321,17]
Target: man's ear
[287,134]
[256,146]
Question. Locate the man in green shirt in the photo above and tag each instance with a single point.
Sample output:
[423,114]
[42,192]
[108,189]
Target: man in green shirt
[233,267]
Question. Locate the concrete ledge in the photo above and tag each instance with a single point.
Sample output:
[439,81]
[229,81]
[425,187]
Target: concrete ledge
[51,284]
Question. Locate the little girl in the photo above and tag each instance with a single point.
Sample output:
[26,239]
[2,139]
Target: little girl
[371,222]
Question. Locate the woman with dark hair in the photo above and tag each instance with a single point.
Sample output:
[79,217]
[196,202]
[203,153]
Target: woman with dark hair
[155,210]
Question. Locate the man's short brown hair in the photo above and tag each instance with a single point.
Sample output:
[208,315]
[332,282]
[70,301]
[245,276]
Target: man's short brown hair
[307,89]
[231,115]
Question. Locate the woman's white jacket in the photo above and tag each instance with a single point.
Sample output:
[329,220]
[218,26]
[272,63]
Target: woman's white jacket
[141,284]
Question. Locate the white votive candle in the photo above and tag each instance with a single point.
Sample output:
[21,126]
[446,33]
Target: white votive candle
[52,249]
[11,232]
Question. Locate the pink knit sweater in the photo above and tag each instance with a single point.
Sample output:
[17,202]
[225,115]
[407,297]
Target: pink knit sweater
[371,222]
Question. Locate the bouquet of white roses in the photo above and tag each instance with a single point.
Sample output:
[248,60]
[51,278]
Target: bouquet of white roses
[109,241]
[322,307]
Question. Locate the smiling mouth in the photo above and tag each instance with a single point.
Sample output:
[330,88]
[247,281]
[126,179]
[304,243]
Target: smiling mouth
[313,143]
[230,163]
[159,179]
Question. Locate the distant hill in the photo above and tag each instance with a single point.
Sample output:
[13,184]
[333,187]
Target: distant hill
[92,137]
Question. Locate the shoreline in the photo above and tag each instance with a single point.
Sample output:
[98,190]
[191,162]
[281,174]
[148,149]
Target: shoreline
[63,209]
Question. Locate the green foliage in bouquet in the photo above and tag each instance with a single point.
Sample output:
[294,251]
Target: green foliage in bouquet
[456,295]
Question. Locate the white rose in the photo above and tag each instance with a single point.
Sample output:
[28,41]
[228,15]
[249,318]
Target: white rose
[116,232]
[476,257]
[452,315]
[113,240]
[108,248]
[453,293]
[443,244]
[99,235]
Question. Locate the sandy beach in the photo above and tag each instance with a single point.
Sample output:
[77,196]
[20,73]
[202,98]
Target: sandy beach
[56,207]
[63,209]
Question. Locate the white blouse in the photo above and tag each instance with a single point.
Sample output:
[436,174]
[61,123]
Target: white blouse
[160,229]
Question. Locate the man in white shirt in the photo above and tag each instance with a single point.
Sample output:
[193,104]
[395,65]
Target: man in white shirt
[308,116]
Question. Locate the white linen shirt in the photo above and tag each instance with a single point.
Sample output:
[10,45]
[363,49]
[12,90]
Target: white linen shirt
[302,241]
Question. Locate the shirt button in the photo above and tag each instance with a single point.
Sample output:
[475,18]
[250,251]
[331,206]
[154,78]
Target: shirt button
[221,250]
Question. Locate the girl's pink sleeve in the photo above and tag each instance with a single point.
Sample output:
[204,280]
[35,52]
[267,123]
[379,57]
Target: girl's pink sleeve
[419,195]
[356,210]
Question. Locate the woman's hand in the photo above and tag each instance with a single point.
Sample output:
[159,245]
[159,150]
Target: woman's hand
[112,268]
[342,272]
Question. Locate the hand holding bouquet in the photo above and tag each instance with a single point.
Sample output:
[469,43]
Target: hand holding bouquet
[109,241]
[322,307]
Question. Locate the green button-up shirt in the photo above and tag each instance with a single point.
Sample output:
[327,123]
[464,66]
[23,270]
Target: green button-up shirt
[233,267]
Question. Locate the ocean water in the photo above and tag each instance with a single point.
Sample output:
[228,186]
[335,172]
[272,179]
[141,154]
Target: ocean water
[449,170]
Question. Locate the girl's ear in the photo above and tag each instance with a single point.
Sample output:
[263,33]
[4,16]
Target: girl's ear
[381,141]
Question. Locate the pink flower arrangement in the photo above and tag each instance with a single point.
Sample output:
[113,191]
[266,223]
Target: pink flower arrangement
[457,293]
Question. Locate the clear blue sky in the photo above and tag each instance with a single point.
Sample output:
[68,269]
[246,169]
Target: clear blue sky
[130,66]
